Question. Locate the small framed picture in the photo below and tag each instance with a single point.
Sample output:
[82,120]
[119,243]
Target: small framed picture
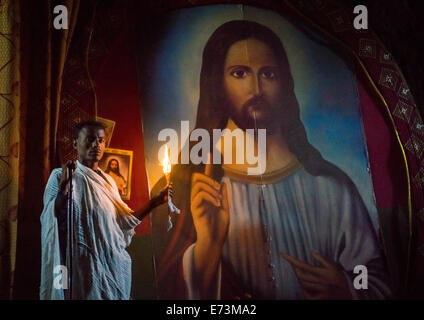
[118,164]
[109,126]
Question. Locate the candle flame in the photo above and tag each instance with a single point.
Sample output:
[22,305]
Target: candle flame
[166,162]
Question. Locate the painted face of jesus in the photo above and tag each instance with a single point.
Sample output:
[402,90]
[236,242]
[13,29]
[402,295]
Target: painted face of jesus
[114,165]
[252,84]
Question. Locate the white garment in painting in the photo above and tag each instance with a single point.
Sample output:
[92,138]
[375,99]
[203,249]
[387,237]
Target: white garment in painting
[103,228]
[299,213]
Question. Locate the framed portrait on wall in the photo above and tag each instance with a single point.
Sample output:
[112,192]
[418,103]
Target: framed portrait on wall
[109,126]
[118,164]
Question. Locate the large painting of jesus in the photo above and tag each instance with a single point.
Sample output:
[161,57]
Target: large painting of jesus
[302,227]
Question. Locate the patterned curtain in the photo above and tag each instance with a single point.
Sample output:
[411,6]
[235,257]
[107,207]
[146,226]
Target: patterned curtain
[9,136]
[41,57]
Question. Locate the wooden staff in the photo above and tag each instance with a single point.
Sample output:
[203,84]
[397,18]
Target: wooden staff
[70,234]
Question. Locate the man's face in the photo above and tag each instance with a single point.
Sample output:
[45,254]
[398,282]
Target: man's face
[252,84]
[90,145]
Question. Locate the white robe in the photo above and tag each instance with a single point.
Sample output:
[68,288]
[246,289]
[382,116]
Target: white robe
[299,214]
[103,228]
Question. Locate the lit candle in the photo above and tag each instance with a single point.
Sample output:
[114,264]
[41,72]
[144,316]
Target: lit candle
[166,167]
[166,164]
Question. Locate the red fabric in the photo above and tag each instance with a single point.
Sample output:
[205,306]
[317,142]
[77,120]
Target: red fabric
[112,67]
[118,99]
[389,180]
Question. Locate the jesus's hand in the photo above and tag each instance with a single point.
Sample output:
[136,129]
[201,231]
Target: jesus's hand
[209,209]
[320,283]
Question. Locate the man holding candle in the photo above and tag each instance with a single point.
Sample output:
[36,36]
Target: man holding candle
[103,225]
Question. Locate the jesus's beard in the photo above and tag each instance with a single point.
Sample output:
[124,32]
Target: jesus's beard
[114,170]
[256,113]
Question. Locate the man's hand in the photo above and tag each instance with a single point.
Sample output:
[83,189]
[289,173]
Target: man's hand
[61,198]
[320,283]
[64,179]
[162,196]
[157,200]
